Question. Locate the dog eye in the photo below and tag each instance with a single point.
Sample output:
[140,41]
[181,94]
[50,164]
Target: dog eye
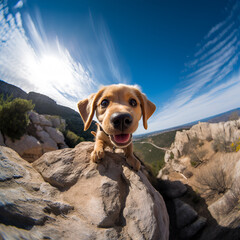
[133,102]
[104,103]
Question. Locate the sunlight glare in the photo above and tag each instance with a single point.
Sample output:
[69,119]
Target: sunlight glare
[50,70]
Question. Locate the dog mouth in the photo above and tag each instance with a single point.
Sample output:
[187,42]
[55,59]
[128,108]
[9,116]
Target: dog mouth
[121,140]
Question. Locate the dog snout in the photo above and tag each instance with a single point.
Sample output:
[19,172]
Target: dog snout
[121,121]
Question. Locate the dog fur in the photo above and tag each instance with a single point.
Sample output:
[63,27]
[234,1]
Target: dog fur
[129,105]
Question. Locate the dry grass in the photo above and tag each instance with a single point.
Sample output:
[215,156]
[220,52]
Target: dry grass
[215,178]
[194,150]
[220,144]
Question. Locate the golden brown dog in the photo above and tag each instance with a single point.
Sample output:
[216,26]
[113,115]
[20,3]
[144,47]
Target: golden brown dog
[118,109]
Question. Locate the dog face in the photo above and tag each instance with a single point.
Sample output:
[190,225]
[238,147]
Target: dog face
[118,109]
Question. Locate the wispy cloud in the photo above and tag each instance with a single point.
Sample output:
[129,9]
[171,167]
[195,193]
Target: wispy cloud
[105,42]
[211,80]
[31,61]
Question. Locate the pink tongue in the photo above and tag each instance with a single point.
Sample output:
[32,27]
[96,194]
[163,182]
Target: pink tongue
[121,138]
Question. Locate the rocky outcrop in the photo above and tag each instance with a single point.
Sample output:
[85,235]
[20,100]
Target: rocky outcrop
[65,196]
[230,131]
[213,185]
[47,106]
[27,146]
[42,137]
[185,221]
[225,209]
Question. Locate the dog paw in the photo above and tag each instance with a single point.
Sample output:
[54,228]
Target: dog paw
[97,155]
[134,163]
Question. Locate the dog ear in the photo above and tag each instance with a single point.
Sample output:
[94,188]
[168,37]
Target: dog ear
[87,108]
[148,108]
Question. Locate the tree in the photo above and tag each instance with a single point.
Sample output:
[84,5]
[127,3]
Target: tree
[14,118]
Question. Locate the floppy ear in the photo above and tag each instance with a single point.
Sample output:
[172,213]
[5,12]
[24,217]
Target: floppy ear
[87,108]
[148,108]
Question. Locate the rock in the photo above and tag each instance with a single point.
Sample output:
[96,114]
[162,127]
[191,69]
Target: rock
[172,189]
[185,214]
[85,201]
[47,143]
[44,121]
[55,134]
[222,208]
[167,156]
[10,232]
[178,166]
[190,231]
[60,168]
[21,209]
[56,121]
[34,117]
[9,170]
[180,139]
[27,147]
[38,128]
[2,140]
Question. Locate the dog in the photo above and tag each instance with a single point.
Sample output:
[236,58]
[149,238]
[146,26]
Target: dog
[118,109]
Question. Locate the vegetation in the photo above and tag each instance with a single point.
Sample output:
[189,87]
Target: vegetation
[220,144]
[13,116]
[163,140]
[214,179]
[71,138]
[151,155]
[194,151]
[235,146]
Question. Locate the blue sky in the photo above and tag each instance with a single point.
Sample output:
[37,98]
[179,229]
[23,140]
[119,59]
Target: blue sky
[183,54]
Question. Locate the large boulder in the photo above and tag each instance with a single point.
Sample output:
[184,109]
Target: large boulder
[48,144]
[34,117]
[55,134]
[185,214]
[27,147]
[72,198]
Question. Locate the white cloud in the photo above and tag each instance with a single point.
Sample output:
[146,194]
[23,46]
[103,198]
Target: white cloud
[212,82]
[32,63]
[19,4]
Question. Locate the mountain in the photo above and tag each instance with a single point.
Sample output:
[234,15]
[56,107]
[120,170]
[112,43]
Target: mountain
[46,105]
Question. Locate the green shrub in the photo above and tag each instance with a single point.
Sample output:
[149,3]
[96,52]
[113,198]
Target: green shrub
[13,117]
[72,139]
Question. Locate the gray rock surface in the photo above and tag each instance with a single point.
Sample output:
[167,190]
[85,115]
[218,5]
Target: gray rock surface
[55,134]
[185,214]
[27,146]
[45,138]
[190,231]
[172,189]
[72,198]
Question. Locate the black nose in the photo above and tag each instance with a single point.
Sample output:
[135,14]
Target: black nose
[121,121]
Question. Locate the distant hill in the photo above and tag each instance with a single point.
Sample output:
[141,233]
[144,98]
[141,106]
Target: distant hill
[46,105]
